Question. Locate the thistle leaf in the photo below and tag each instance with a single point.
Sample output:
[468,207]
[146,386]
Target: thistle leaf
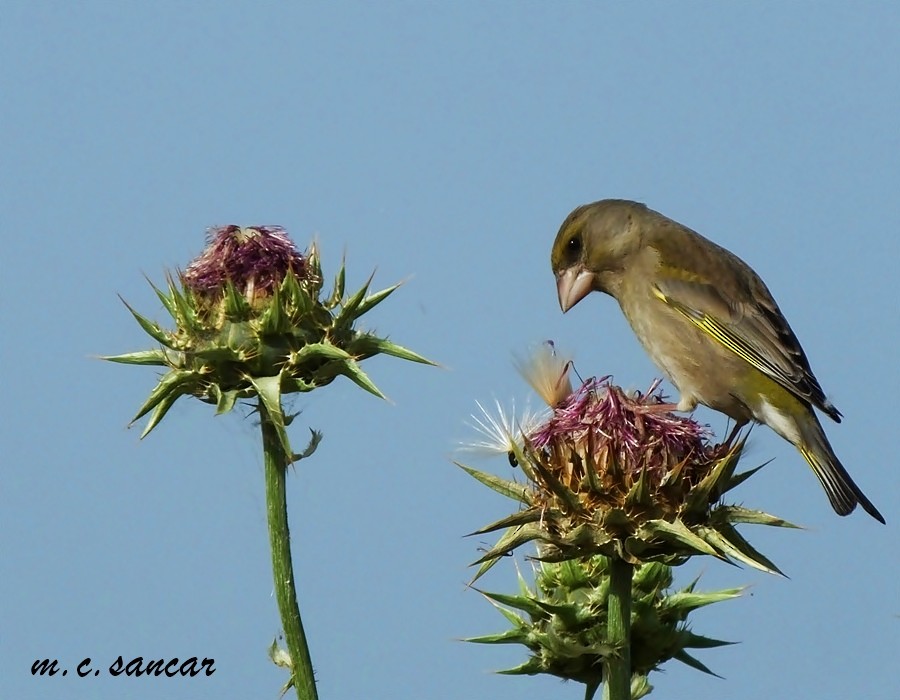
[684,602]
[185,316]
[374,299]
[354,372]
[311,446]
[565,613]
[512,538]
[686,658]
[269,390]
[178,381]
[338,290]
[141,357]
[366,345]
[152,329]
[513,618]
[739,514]
[164,298]
[161,409]
[293,385]
[698,641]
[274,320]
[389,348]
[236,305]
[217,354]
[295,295]
[511,636]
[225,401]
[590,469]
[484,568]
[532,667]
[348,309]
[738,479]
[559,489]
[504,487]
[523,517]
[678,532]
[315,265]
[584,536]
[729,542]
[525,604]
[639,494]
[319,351]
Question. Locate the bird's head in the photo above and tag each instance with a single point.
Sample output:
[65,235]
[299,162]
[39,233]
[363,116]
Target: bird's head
[591,247]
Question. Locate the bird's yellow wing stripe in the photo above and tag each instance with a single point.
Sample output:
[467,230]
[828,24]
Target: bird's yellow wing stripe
[725,336]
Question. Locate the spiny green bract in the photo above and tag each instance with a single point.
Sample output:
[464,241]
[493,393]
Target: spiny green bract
[563,622]
[245,338]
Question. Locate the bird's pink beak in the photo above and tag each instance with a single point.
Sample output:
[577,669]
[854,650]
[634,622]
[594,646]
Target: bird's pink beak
[572,285]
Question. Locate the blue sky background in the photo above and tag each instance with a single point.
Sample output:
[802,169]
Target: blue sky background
[442,144]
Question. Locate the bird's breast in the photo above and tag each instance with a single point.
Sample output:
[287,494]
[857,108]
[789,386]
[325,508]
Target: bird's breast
[701,369]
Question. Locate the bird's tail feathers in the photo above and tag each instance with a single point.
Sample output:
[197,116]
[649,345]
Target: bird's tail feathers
[843,493]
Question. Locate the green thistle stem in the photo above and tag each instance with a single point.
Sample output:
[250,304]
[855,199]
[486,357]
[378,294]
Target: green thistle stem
[617,667]
[276,463]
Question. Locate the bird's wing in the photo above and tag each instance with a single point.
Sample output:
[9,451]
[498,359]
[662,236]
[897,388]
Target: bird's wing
[747,321]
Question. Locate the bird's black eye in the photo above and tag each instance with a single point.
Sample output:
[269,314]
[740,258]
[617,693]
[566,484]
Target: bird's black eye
[573,247]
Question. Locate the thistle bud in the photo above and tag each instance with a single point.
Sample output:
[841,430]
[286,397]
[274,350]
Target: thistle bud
[250,321]
[562,621]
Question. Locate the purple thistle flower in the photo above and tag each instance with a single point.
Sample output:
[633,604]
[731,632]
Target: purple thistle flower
[254,259]
[600,427]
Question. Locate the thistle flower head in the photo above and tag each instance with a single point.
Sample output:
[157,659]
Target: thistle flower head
[599,442]
[255,259]
[250,321]
[563,622]
[617,474]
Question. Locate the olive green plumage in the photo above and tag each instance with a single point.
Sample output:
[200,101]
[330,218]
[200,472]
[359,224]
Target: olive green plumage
[708,321]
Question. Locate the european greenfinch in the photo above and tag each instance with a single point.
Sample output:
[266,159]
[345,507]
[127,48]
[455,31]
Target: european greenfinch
[708,321]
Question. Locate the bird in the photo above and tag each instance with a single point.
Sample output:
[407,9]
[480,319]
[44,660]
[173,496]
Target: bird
[709,323]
